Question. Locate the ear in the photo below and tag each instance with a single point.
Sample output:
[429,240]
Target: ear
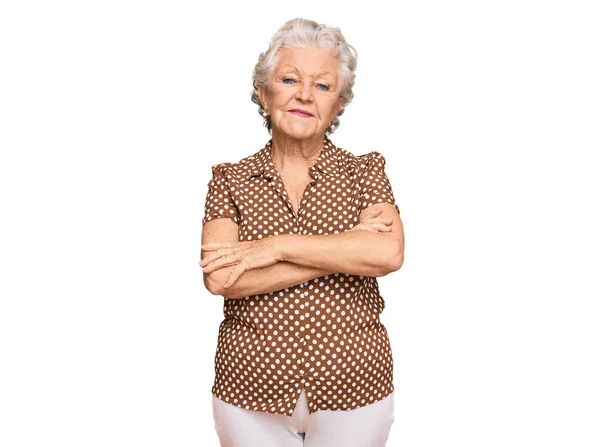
[340,105]
[262,95]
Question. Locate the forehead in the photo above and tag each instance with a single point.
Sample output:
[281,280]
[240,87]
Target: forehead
[308,61]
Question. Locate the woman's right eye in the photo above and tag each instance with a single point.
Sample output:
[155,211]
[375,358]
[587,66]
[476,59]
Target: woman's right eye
[288,79]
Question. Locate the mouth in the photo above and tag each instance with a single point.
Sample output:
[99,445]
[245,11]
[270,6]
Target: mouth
[300,112]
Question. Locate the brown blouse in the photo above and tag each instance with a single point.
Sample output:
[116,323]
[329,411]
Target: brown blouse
[323,335]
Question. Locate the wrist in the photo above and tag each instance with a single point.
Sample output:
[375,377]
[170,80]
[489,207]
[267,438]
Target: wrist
[282,247]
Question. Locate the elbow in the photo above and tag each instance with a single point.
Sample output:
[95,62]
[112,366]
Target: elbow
[230,293]
[212,285]
[396,259]
[215,286]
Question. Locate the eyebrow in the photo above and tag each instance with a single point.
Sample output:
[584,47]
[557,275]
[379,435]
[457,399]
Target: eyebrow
[296,70]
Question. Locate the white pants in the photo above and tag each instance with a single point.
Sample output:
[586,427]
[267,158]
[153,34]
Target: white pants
[367,426]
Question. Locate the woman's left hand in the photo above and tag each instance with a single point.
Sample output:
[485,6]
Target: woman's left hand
[245,255]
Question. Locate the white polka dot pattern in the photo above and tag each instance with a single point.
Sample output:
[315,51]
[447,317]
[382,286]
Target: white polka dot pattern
[219,202]
[323,335]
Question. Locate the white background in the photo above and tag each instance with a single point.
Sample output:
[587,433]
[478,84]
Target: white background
[111,115]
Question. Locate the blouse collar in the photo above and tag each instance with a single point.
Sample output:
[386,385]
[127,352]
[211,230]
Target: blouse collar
[327,162]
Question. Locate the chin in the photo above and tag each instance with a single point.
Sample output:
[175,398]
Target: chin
[299,133]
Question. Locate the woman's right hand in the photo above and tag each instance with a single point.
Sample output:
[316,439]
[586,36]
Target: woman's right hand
[370,222]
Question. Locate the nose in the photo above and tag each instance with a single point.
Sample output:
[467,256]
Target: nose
[303,93]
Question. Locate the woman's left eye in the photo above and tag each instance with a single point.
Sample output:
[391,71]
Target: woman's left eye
[324,89]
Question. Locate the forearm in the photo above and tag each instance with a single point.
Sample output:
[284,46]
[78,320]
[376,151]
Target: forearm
[352,252]
[264,280]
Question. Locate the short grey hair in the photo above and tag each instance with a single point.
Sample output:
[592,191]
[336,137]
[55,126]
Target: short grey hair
[303,33]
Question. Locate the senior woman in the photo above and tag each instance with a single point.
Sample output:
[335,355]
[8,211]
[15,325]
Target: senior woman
[294,237]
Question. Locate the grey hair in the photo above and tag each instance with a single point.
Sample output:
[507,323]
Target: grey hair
[307,34]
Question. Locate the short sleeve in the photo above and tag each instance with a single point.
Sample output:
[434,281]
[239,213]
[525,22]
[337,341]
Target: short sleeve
[219,201]
[375,186]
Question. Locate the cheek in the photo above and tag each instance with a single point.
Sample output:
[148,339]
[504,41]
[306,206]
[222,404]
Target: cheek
[281,96]
[328,110]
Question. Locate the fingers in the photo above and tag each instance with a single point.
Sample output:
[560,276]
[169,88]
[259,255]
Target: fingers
[375,225]
[371,213]
[381,227]
[245,265]
[367,227]
[214,255]
[223,261]
[235,273]
[216,245]
[215,250]
[384,220]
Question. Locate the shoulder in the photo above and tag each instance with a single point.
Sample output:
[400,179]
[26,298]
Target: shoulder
[241,169]
[356,164]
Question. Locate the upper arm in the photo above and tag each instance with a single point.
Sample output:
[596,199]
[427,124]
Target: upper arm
[220,222]
[396,234]
[219,198]
[218,230]
[374,184]
[376,191]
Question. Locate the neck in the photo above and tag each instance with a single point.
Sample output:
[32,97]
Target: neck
[295,152]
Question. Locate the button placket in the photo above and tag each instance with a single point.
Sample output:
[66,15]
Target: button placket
[298,323]
[307,194]
[303,316]
[302,330]
[292,323]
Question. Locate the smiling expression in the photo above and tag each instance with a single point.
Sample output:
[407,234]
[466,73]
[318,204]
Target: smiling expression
[303,95]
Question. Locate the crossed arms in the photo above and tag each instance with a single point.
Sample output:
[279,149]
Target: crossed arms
[300,258]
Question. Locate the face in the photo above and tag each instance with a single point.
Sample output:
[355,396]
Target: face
[306,80]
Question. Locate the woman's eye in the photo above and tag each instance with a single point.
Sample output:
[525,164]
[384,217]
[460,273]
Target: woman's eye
[288,79]
[323,85]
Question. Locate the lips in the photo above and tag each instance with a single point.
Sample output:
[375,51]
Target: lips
[300,112]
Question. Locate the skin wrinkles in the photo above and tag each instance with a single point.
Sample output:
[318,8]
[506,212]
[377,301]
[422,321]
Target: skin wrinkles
[305,79]
[298,81]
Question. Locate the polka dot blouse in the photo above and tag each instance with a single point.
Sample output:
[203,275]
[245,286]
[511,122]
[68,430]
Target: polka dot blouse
[323,335]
